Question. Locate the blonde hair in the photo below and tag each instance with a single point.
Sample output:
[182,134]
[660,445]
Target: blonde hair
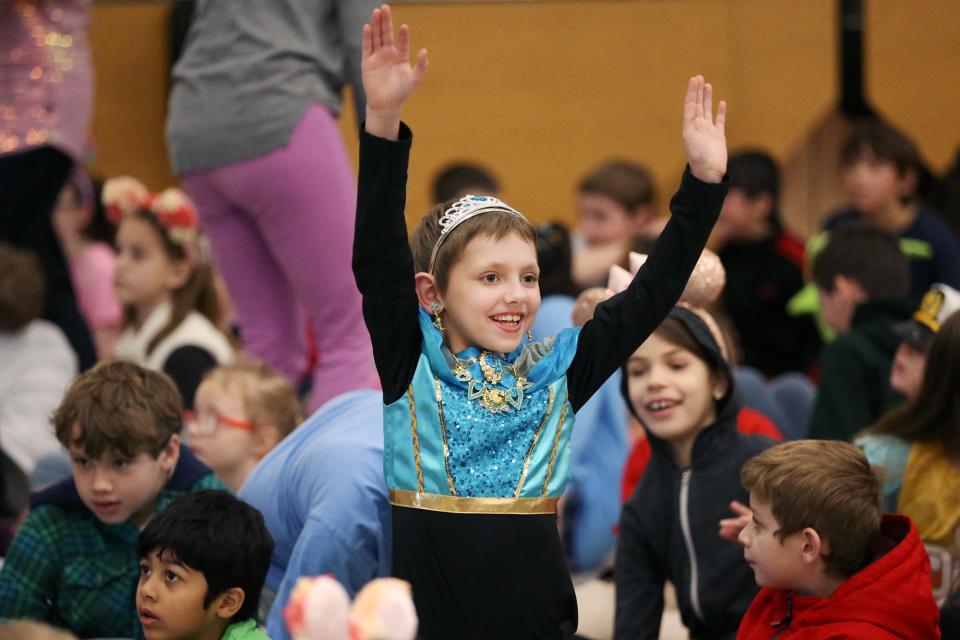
[826,485]
[268,397]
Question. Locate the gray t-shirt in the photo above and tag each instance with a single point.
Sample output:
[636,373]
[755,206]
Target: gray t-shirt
[251,68]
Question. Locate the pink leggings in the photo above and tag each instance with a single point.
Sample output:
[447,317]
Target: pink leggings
[281,231]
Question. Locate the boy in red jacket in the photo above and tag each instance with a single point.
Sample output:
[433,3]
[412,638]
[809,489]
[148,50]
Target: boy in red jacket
[829,565]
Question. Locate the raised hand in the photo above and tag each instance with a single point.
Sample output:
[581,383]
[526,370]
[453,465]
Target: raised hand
[730,528]
[703,135]
[388,76]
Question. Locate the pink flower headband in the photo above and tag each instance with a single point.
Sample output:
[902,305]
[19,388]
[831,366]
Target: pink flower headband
[172,209]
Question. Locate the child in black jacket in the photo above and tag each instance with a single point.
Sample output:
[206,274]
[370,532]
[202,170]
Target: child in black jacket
[679,384]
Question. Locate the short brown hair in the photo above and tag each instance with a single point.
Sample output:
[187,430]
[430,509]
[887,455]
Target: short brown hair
[496,225]
[268,397]
[22,288]
[823,484]
[627,183]
[119,407]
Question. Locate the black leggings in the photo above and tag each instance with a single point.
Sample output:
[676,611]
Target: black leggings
[29,185]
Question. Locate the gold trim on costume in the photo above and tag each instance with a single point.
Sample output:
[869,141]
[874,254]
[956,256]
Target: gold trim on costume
[556,442]
[416,438]
[458,504]
[536,437]
[443,432]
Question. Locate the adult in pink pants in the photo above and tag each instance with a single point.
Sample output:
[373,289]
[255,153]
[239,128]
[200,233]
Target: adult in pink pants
[253,136]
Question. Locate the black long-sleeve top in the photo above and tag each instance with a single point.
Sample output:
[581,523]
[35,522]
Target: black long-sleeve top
[384,271]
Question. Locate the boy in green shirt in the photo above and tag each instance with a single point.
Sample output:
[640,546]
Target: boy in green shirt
[74,561]
[202,566]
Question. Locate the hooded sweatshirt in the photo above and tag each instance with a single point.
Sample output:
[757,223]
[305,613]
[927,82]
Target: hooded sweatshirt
[889,598]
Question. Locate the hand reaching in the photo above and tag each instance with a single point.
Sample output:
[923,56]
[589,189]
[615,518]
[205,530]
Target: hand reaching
[730,528]
[388,76]
[703,136]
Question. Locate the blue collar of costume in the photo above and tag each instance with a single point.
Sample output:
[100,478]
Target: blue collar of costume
[541,363]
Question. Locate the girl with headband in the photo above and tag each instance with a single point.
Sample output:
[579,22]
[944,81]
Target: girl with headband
[477,421]
[171,309]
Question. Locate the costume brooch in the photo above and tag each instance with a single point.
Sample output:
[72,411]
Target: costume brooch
[492,396]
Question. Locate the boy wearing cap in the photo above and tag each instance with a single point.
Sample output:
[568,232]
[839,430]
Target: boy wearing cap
[917,334]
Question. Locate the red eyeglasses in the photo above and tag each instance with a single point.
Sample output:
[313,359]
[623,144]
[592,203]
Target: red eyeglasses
[207,422]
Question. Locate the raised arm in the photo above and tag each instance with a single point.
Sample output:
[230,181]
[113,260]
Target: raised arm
[388,76]
[382,263]
[623,322]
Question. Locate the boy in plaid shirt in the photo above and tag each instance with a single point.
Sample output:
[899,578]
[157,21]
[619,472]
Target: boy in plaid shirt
[74,560]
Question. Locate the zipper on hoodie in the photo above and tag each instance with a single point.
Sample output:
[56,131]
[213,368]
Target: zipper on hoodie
[688,540]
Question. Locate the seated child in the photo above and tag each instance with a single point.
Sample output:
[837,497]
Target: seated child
[73,561]
[764,265]
[906,373]
[862,279]
[477,422]
[916,445]
[202,565]
[679,384]
[615,205]
[241,412]
[36,362]
[598,446]
[171,309]
[828,564]
[880,171]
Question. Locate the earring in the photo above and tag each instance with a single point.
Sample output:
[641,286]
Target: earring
[436,308]
[529,335]
[717,395]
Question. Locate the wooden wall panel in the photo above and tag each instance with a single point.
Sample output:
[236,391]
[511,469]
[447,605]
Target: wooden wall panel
[913,71]
[542,91]
[130,60]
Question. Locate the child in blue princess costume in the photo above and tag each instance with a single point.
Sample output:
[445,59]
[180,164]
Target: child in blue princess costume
[477,423]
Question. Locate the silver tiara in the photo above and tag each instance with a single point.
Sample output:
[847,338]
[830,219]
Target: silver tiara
[462,210]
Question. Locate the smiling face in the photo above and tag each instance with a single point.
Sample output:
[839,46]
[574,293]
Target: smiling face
[144,274]
[170,597]
[117,489]
[775,563]
[672,392]
[492,294]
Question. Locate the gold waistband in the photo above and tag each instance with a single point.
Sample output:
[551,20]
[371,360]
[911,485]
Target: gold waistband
[458,504]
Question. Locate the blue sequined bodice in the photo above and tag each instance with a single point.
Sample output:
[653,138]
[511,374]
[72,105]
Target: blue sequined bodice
[439,438]
[487,451]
